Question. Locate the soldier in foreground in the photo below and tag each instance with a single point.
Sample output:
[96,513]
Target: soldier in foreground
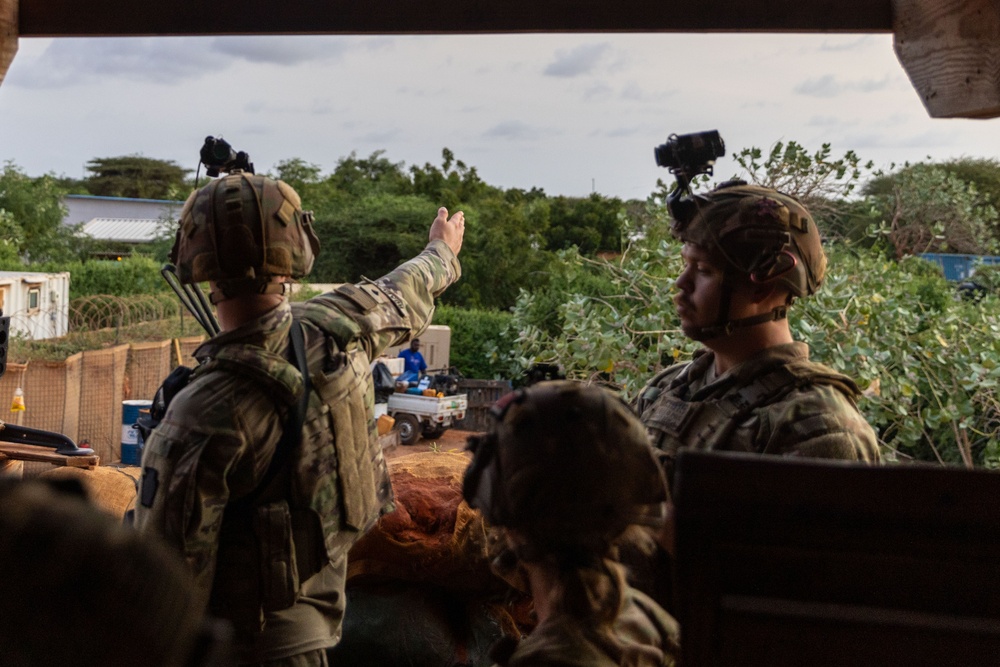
[749,252]
[82,589]
[266,468]
[565,471]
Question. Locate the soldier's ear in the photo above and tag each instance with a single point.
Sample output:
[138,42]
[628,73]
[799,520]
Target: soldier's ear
[764,293]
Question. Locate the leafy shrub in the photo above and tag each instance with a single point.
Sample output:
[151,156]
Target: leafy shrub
[929,363]
[476,335]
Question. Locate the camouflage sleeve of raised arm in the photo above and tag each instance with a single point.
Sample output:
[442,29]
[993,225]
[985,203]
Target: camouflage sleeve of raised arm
[392,309]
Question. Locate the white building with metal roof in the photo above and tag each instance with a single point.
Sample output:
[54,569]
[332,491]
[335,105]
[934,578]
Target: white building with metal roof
[125,230]
[120,219]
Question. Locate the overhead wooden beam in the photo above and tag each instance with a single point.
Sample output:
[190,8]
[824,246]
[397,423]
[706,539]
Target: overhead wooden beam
[8,34]
[66,18]
[950,49]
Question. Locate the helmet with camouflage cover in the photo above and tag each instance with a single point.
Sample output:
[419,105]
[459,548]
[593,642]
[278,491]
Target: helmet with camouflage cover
[239,232]
[567,466]
[763,234]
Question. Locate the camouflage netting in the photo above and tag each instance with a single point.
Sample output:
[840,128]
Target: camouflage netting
[433,535]
[435,538]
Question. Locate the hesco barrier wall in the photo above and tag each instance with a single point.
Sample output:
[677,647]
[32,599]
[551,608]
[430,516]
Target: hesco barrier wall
[148,364]
[81,396]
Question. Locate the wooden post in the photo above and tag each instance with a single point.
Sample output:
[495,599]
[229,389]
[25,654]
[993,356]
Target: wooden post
[8,34]
[950,49]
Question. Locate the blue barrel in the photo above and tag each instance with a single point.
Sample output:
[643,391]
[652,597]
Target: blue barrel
[131,439]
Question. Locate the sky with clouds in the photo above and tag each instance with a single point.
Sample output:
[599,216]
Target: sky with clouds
[567,113]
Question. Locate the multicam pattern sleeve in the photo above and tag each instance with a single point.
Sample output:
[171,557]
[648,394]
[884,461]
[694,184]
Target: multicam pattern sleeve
[397,306]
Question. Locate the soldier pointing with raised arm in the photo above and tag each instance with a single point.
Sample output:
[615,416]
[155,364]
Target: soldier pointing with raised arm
[266,468]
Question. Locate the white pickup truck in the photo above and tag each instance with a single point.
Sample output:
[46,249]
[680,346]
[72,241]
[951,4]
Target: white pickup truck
[429,416]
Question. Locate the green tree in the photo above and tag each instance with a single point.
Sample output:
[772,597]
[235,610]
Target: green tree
[136,176]
[983,173]
[375,174]
[824,184]
[10,238]
[591,224]
[502,254]
[298,173]
[33,217]
[451,184]
[926,208]
[370,236]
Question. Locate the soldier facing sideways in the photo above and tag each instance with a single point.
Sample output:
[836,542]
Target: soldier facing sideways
[262,476]
[748,252]
[565,470]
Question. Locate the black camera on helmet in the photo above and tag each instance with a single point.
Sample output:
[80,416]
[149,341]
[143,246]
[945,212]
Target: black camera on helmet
[218,156]
[691,154]
[687,156]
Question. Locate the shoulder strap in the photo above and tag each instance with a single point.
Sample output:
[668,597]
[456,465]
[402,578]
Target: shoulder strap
[291,433]
[655,387]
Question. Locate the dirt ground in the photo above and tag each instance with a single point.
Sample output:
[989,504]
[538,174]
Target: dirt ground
[451,440]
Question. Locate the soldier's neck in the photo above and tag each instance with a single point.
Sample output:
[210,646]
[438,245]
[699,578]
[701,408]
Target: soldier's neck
[234,313]
[744,343]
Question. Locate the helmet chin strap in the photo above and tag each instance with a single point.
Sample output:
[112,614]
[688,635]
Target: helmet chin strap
[725,326]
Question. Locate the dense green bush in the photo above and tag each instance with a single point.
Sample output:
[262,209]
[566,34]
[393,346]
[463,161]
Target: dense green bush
[928,361]
[136,274]
[476,336]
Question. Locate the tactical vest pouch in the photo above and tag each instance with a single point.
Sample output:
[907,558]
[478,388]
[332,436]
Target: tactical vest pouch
[351,438]
[235,588]
[278,572]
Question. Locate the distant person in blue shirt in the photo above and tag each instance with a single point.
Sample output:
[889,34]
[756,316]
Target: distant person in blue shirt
[413,362]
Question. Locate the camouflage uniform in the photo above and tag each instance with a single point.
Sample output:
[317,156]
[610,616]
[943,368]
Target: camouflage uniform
[777,402]
[277,567]
[648,634]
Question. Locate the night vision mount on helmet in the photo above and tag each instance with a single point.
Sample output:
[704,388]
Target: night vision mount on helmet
[763,236]
[244,233]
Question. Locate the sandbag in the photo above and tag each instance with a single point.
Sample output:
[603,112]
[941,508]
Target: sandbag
[111,488]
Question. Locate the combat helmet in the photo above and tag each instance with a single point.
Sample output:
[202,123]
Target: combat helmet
[567,466]
[239,232]
[762,235]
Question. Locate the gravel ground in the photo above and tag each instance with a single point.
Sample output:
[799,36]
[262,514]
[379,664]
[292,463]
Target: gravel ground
[450,440]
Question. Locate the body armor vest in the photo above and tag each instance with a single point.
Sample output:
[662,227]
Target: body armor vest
[708,418]
[330,491]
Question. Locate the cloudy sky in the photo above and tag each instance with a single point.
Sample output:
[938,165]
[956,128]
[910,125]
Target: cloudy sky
[568,113]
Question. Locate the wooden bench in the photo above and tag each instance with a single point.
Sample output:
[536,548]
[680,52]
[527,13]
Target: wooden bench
[803,562]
